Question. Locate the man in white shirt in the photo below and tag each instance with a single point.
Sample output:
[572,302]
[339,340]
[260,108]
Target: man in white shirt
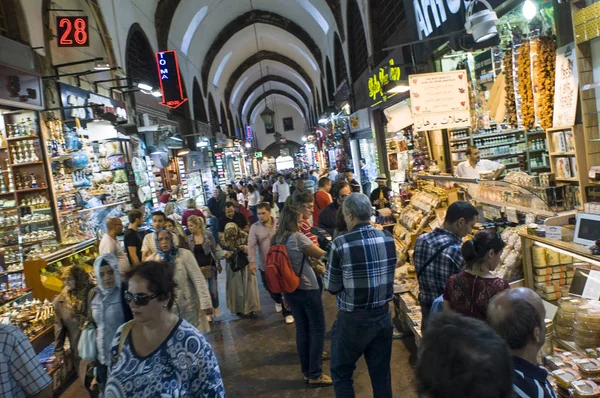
[474,165]
[149,243]
[281,191]
[109,243]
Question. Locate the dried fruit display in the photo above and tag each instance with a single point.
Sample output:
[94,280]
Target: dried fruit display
[511,107]
[545,79]
[525,88]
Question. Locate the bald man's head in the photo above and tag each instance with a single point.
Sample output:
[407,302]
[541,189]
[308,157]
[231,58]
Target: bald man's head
[517,315]
[114,224]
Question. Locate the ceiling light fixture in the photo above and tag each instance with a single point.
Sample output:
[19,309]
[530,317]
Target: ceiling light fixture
[400,87]
[101,65]
[183,151]
[144,86]
[157,94]
[482,24]
[529,10]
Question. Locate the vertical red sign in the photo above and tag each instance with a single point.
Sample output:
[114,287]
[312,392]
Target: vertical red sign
[170,79]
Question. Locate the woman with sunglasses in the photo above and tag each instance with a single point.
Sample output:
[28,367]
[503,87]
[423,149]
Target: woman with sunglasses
[107,310]
[306,302]
[159,353]
[242,287]
[193,301]
[470,291]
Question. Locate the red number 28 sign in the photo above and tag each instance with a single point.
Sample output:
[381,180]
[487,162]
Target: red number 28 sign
[72,31]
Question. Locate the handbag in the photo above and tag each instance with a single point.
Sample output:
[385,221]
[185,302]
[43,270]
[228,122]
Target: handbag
[240,261]
[207,271]
[86,347]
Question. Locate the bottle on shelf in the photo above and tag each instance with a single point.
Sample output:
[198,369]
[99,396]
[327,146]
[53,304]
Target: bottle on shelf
[33,181]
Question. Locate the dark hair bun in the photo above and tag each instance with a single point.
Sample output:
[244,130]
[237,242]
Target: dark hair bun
[469,252]
[475,250]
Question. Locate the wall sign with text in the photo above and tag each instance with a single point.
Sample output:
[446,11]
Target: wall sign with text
[440,100]
[72,31]
[382,78]
[170,79]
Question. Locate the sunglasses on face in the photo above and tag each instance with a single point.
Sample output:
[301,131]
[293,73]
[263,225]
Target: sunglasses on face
[140,299]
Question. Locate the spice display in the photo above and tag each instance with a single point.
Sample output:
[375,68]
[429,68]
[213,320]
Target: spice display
[511,110]
[544,79]
[525,87]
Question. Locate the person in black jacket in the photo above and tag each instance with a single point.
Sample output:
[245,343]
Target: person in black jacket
[327,218]
[381,195]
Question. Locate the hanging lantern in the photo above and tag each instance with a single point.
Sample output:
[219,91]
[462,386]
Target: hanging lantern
[267,116]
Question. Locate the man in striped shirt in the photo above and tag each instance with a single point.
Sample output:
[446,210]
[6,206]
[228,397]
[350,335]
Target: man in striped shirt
[517,315]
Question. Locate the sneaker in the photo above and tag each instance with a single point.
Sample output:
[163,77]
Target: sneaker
[321,381]
[278,308]
[306,379]
[217,313]
[289,319]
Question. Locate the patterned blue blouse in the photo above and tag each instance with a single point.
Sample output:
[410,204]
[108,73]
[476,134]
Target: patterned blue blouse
[184,365]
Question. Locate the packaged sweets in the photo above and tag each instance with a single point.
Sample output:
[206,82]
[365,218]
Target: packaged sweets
[564,377]
[585,389]
[539,257]
[587,367]
[553,362]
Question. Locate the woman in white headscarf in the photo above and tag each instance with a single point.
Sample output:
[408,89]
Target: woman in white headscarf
[107,309]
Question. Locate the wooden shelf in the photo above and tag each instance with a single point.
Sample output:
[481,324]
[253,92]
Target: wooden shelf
[500,144]
[570,153]
[26,137]
[501,155]
[25,164]
[475,136]
[572,179]
[31,190]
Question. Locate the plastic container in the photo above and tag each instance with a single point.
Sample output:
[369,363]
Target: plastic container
[585,389]
[587,367]
[564,377]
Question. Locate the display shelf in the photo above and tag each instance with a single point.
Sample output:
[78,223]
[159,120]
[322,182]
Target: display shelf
[521,209]
[23,138]
[26,292]
[501,155]
[460,139]
[7,193]
[571,153]
[477,136]
[103,206]
[500,144]
[18,271]
[37,222]
[572,179]
[25,164]
[31,189]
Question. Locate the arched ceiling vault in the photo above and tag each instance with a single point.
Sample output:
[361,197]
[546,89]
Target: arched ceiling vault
[268,86]
[278,103]
[258,57]
[248,19]
[275,92]
[273,78]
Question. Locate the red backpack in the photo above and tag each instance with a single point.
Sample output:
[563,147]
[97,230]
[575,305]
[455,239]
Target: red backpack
[279,274]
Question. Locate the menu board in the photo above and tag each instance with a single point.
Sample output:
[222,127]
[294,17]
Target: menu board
[440,100]
[566,87]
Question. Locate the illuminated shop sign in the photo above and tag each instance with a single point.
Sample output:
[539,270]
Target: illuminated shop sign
[170,79]
[72,31]
[378,82]
[442,16]
[249,134]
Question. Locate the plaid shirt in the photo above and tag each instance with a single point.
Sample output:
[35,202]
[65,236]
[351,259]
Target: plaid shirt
[21,373]
[361,268]
[450,261]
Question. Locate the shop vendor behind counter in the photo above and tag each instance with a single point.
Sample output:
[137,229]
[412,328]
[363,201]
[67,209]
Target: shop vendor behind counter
[474,166]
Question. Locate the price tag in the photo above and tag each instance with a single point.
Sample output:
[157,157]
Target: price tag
[592,286]
[554,233]
[491,213]
[511,214]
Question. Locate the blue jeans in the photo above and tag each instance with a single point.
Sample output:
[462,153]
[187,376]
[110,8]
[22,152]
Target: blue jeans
[254,211]
[354,334]
[213,283]
[307,309]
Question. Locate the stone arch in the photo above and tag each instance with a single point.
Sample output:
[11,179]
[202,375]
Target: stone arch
[163,16]
[272,92]
[223,124]
[341,71]
[230,121]
[199,107]
[248,19]
[272,78]
[258,57]
[213,115]
[330,81]
[336,10]
[14,26]
[323,95]
[357,41]
[140,61]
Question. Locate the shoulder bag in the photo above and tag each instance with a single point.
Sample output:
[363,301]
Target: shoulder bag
[239,261]
[87,345]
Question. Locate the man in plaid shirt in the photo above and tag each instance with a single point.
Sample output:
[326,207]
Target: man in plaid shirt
[438,254]
[21,373]
[361,273]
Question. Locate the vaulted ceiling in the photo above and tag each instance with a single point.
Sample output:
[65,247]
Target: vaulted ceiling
[243,52]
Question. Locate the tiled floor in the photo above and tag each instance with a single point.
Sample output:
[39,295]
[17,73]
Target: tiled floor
[258,357]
